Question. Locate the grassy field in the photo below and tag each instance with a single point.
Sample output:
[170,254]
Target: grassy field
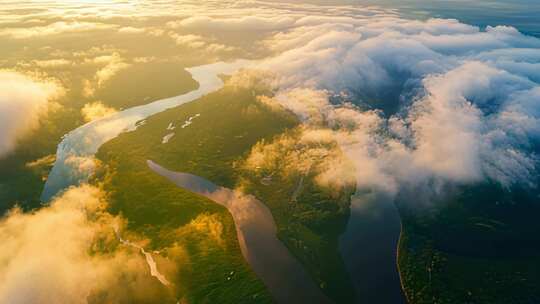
[225,127]
[482,245]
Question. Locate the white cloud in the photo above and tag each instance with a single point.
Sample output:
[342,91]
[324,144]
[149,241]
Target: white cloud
[53,63]
[131,30]
[55,28]
[107,72]
[96,110]
[23,101]
[199,42]
[242,23]
[111,65]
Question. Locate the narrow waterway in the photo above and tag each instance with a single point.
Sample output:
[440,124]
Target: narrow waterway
[152,265]
[256,230]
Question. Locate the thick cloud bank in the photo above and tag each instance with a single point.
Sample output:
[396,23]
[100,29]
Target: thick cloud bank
[23,100]
[435,101]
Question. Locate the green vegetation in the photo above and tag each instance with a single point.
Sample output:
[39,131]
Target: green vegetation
[226,125]
[479,246]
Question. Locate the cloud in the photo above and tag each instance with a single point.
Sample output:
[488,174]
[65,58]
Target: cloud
[107,72]
[131,30]
[113,64]
[454,111]
[42,166]
[55,28]
[53,63]
[23,101]
[81,166]
[308,150]
[96,110]
[242,23]
[153,31]
[45,161]
[96,52]
[397,94]
[193,41]
[68,253]
[199,42]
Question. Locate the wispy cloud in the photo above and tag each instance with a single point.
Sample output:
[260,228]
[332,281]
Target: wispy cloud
[53,29]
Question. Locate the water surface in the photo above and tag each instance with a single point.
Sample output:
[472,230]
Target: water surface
[369,249]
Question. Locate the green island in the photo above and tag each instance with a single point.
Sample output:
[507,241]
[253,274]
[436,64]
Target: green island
[225,126]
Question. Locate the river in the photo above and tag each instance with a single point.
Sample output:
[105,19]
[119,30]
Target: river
[369,249]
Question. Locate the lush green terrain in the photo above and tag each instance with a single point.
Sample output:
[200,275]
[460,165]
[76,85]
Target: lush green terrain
[481,245]
[215,146]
